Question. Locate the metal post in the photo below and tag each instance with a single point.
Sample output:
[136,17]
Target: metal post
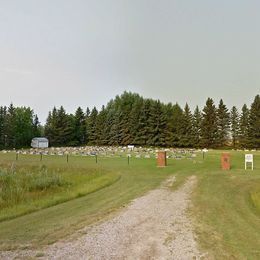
[203,155]
[16,156]
[67,158]
[41,156]
[96,158]
[128,159]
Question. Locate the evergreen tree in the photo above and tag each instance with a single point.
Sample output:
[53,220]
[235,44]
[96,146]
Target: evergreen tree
[59,128]
[174,129]
[101,127]
[3,112]
[187,131]
[114,134]
[157,125]
[69,131]
[10,127]
[87,115]
[92,123]
[80,127]
[134,117]
[223,121]
[142,132]
[234,119]
[254,124]
[196,127]
[209,126]
[64,128]
[50,130]
[36,126]
[244,126]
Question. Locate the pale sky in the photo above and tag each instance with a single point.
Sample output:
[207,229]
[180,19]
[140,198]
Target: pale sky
[84,52]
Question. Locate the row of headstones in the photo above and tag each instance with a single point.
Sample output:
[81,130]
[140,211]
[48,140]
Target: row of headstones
[109,151]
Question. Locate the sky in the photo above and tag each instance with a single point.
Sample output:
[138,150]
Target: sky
[85,52]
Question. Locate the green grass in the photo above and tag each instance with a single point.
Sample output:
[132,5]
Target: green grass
[26,188]
[255,197]
[47,225]
[225,208]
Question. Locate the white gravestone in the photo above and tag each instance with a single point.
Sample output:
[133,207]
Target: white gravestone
[249,158]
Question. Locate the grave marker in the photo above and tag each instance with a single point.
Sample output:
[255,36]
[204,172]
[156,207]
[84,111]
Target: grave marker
[161,160]
[225,161]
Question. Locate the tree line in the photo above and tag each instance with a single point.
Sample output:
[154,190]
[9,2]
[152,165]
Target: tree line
[18,125]
[132,119]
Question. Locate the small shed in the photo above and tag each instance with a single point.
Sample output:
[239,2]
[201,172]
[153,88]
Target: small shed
[40,142]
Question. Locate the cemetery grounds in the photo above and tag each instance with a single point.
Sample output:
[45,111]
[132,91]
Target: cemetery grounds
[47,198]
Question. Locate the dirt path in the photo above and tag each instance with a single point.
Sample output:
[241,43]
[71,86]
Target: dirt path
[155,226]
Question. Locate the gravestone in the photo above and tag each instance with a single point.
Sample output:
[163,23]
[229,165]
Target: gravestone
[225,161]
[161,159]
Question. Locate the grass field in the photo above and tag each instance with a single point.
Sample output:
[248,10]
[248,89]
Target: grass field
[226,209]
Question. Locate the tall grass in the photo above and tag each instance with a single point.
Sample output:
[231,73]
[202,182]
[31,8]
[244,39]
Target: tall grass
[26,188]
[16,186]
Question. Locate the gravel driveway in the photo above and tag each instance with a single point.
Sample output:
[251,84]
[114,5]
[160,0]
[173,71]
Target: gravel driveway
[155,226]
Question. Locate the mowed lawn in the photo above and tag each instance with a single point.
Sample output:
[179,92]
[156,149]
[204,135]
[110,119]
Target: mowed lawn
[225,212]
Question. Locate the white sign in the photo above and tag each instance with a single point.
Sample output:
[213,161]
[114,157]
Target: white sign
[131,147]
[249,158]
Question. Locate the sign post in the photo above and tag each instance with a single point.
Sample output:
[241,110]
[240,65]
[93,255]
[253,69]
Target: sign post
[249,158]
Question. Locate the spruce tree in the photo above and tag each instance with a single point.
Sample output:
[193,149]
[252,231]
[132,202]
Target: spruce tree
[209,125]
[115,130]
[141,136]
[3,135]
[87,115]
[101,126]
[174,125]
[157,125]
[196,127]
[62,127]
[36,126]
[234,120]
[254,124]
[93,127]
[223,121]
[134,119]
[187,131]
[80,127]
[244,126]
[49,127]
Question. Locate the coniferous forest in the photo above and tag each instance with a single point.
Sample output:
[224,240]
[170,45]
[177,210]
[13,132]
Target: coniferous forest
[132,119]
